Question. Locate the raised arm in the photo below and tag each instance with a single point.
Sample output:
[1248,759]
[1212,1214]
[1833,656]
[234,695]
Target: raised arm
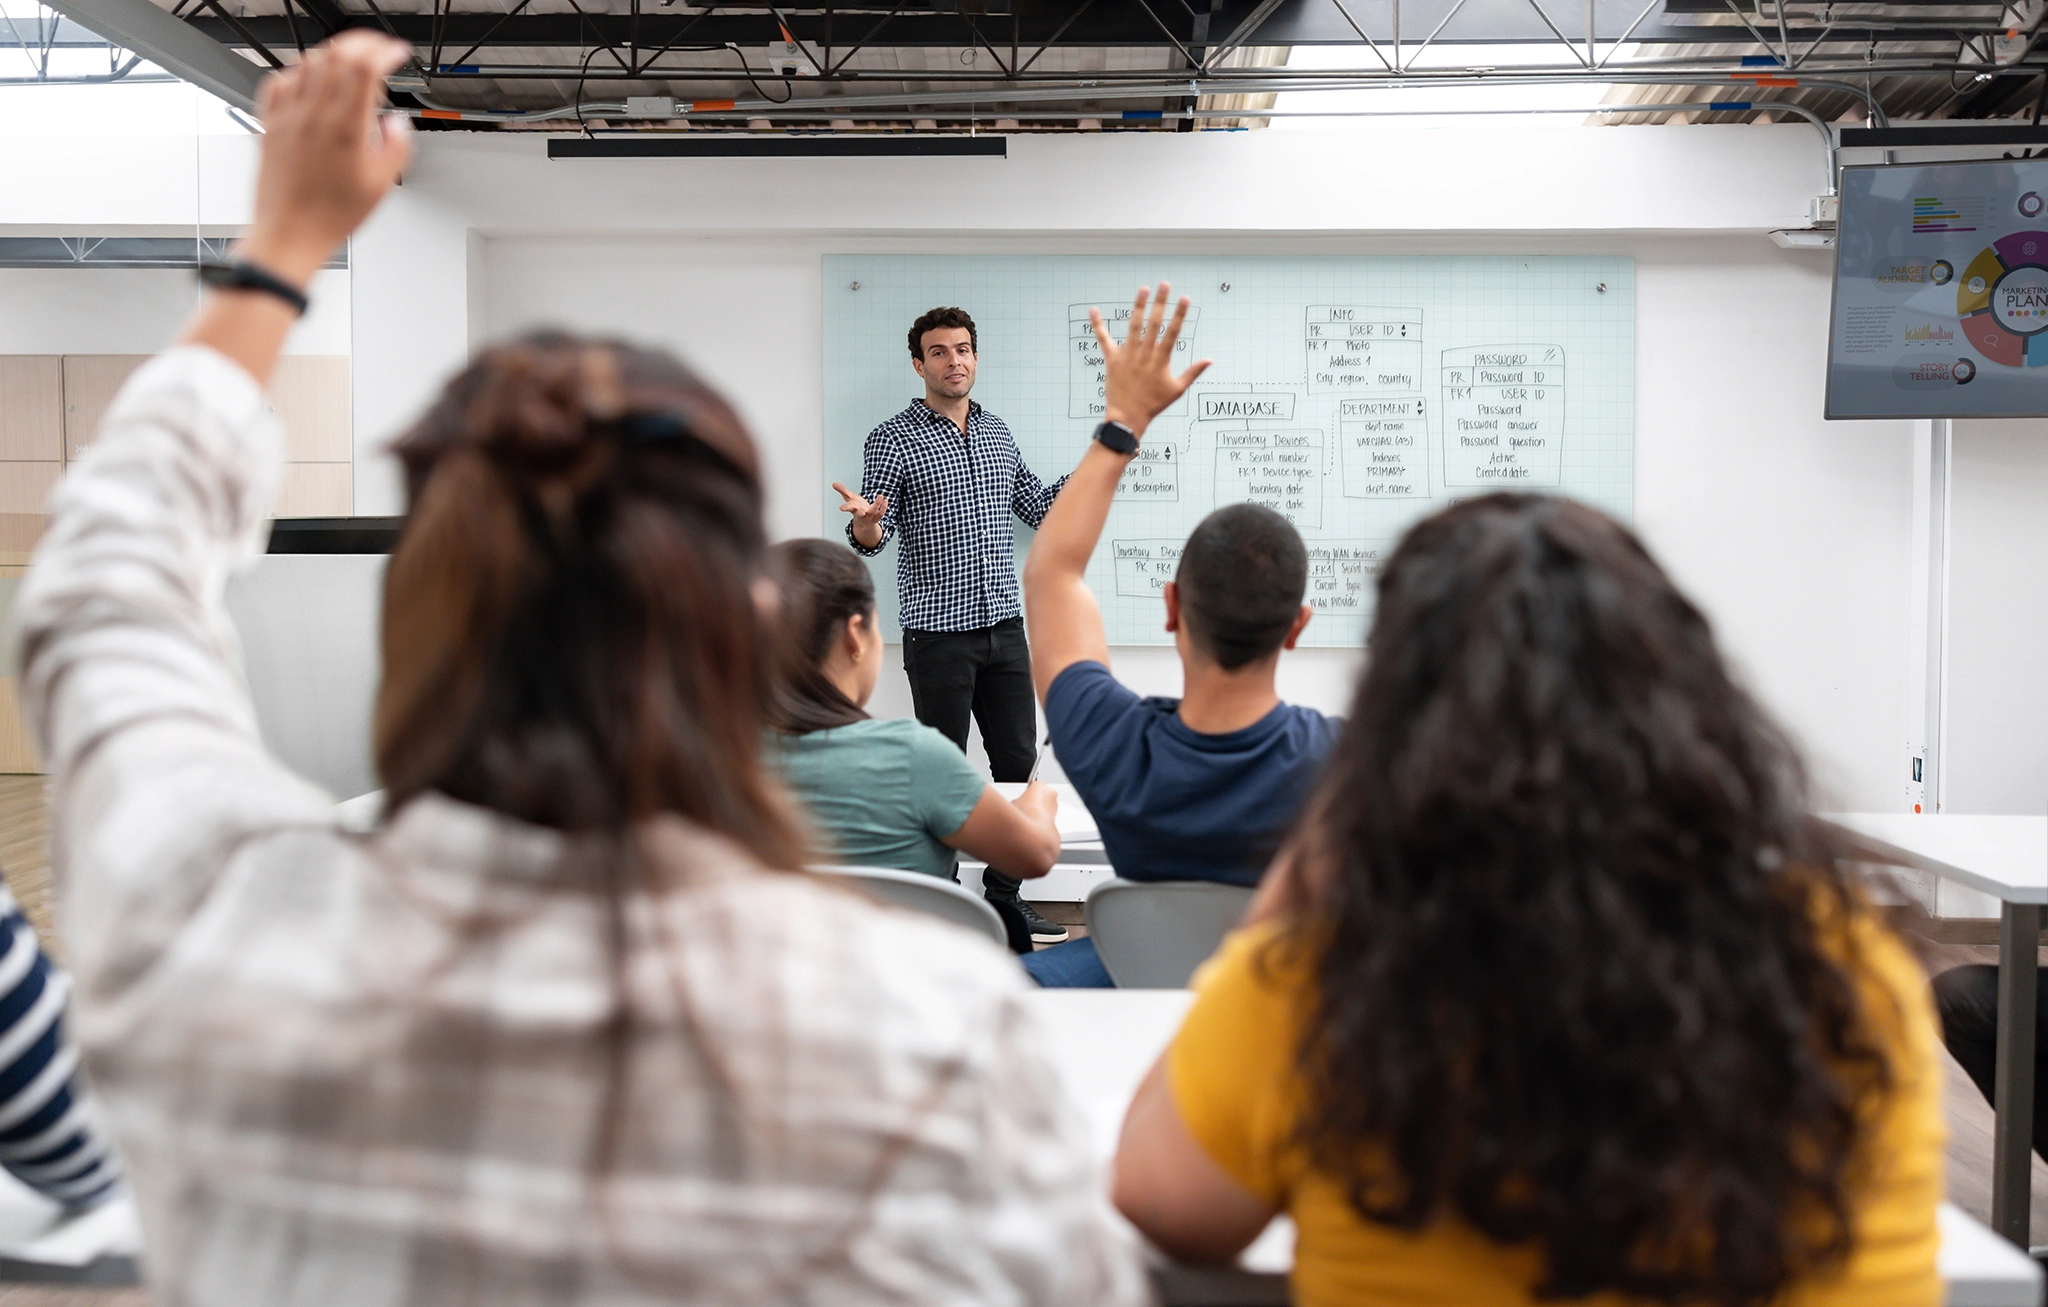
[1065,620]
[130,674]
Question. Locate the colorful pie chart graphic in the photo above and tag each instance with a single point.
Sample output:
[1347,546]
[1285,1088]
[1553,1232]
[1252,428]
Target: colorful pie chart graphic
[2002,299]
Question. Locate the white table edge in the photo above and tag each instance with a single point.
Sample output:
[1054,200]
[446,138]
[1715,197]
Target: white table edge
[2037,894]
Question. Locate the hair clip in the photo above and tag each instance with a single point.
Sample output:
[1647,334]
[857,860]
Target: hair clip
[662,428]
[653,428]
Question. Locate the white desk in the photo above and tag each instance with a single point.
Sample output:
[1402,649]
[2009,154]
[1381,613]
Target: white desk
[2006,857]
[1106,1040]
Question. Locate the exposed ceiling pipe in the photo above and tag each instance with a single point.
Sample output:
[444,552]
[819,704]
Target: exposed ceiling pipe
[1089,89]
[1829,142]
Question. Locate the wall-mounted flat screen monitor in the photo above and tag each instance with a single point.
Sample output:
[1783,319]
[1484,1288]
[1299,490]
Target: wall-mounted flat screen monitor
[1941,292]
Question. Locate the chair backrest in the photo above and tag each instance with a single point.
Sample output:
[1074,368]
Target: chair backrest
[921,893]
[1153,934]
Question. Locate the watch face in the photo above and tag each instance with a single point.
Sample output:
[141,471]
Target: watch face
[1117,438]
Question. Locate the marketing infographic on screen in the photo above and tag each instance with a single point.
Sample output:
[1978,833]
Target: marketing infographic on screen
[1941,292]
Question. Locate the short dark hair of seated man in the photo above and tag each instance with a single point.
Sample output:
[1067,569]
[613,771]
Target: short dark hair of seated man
[1202,787]
[1241,578]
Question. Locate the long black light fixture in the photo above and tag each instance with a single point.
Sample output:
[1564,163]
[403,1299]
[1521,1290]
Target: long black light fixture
[1905,137]
[650,146]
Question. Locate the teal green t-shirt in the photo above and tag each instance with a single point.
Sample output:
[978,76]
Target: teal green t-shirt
[883,792]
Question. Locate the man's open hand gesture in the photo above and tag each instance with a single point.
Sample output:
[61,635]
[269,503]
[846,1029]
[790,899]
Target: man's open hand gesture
[1139,383]
[867,517]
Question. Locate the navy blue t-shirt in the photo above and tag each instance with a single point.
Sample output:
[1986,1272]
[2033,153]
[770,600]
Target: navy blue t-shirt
[1171,802]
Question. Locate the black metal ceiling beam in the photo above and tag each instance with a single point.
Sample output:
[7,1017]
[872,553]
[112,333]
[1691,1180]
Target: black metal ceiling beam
[1038,23]
[1113,27]
[174,46]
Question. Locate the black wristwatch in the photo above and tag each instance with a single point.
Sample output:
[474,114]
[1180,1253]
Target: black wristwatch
[242,275]
[1117,438]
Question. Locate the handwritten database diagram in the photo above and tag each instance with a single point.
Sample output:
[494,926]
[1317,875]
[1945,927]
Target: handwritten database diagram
[1350,395]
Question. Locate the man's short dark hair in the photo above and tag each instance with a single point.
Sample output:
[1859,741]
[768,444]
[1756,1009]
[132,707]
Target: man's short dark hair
[1241,577]
[937,318]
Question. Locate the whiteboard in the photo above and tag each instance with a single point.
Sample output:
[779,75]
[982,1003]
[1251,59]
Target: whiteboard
[1354,395]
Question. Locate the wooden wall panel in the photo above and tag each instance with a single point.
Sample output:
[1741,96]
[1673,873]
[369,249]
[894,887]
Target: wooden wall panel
[316,490]
[90,382]
[309,394]
[31,407]
[25,487]
[17,743]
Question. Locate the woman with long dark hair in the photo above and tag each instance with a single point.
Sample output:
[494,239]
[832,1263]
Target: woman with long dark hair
[572,1026]
[890,792]
[1556,991]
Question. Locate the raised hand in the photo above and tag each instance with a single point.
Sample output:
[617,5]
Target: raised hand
[867,516]
[329,155]
[1139,383]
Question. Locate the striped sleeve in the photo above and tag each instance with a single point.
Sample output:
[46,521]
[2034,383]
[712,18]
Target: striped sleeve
[51,1138]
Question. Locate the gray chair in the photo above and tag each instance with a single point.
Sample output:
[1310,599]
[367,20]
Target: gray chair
[921,893]
[1153,934]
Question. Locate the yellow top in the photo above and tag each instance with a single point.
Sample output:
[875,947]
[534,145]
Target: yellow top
[1231,1070]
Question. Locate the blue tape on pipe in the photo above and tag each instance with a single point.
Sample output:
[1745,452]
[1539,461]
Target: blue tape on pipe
[1762,61]
[1147,115]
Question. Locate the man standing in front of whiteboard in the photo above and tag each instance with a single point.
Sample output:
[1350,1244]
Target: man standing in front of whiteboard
[945,475]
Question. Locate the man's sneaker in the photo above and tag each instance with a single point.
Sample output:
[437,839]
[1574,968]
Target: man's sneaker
[1042,931]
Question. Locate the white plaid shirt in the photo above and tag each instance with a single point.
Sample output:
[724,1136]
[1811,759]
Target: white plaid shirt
[951,497]
[377,1070]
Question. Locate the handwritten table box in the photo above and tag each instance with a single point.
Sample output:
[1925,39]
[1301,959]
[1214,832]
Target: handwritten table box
[1281,469]
[1143,567]
[1353,347]
[1385,444]
[1084,358]
[1503,416]
[1153,474]
[1341,575]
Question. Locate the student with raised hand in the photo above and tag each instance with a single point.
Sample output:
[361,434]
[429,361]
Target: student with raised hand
[890,792]
[1557,992]
[572,1026]
[1197,788]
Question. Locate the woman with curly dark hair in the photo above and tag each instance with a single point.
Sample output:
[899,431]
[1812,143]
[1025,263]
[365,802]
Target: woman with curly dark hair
[1556,992]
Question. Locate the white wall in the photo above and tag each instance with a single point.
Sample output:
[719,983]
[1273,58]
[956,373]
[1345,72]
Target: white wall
[1791,531]
[1998,623]
[1736,471]
[137,310]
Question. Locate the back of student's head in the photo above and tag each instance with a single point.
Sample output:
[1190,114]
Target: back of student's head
[570,630]
[1241,577]
[824,584]
[1581,973]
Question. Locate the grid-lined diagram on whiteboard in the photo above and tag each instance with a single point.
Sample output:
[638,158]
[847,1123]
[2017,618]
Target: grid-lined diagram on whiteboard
[1352,395]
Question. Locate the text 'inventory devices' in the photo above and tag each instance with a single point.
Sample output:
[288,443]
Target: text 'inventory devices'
[1351,395]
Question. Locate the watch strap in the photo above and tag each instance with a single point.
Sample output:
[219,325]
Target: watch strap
[243,275]
[1117,438]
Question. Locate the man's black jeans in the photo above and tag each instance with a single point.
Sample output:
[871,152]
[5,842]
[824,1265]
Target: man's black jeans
[983,676]
[1967,1000]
